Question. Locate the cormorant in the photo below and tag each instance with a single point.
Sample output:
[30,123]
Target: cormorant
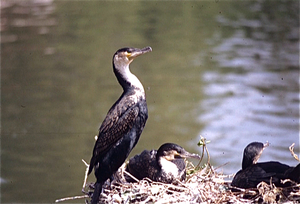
[164,165]
[124,122]
[252,173]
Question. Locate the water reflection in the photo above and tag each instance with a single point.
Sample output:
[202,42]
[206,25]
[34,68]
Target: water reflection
[254,94]
[226,70]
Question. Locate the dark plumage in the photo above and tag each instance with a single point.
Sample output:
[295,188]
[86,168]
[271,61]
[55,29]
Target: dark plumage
[124,122]
[164,165]
[253,173]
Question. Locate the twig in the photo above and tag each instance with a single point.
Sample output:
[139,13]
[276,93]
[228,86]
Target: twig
[221,165]
[71,198]
[202,139]
[128,174]
[291,148]
[203,143]
[85,175]
[208,158]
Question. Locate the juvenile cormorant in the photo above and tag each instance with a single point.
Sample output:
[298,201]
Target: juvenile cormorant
[124,122]
[164,165]
[252,173]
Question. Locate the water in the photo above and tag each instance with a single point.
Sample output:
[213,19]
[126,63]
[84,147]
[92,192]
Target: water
[258,81]
[227,71]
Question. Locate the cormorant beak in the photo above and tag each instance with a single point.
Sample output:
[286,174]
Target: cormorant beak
[138,52]
[266,144]
[189,155]
[258,155]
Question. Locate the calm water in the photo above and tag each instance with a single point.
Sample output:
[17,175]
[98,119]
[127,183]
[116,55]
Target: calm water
[227,71]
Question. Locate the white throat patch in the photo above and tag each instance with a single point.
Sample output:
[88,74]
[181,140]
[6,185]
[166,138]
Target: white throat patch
[127,75]
[169,167]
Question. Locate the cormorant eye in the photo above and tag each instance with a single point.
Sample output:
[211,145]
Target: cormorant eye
[128,53]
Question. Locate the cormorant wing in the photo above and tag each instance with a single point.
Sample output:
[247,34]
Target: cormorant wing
[251,177]
[139,164]
[118,121]
[258,175]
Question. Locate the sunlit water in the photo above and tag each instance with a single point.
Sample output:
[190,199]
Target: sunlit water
[255,98]
[226,71]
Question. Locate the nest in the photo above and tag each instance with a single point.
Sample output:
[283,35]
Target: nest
[203,185]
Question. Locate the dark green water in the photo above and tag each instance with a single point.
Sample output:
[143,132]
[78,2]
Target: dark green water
[228,71]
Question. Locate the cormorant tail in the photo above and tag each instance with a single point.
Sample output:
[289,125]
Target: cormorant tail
[96,194]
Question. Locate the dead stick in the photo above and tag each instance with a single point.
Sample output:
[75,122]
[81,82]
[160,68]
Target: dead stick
[85,175]
[71,198]
[131,176]
[291,148]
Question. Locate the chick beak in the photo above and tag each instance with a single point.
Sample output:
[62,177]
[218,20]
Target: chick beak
[266,145]
[190,155]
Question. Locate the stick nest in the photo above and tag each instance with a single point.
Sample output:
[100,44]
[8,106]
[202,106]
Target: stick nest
[203,185]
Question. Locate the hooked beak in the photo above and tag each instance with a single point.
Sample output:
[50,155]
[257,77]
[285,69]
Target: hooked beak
[258,155]
[190,155]
[266,144]
[138,52]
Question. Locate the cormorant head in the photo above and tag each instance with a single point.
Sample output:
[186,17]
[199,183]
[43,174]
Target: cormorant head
[252,153]
[124,56]
[121,61]
[171,151]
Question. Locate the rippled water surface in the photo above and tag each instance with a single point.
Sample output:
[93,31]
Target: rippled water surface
[228,71]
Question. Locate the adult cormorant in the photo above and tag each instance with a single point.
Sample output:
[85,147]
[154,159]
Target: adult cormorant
[124,122]
[164,165]
[252,173]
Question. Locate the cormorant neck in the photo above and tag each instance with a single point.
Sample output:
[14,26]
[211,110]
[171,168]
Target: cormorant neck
[167,166]
[249,158]
[251,154]
[126,79]
[246,162]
